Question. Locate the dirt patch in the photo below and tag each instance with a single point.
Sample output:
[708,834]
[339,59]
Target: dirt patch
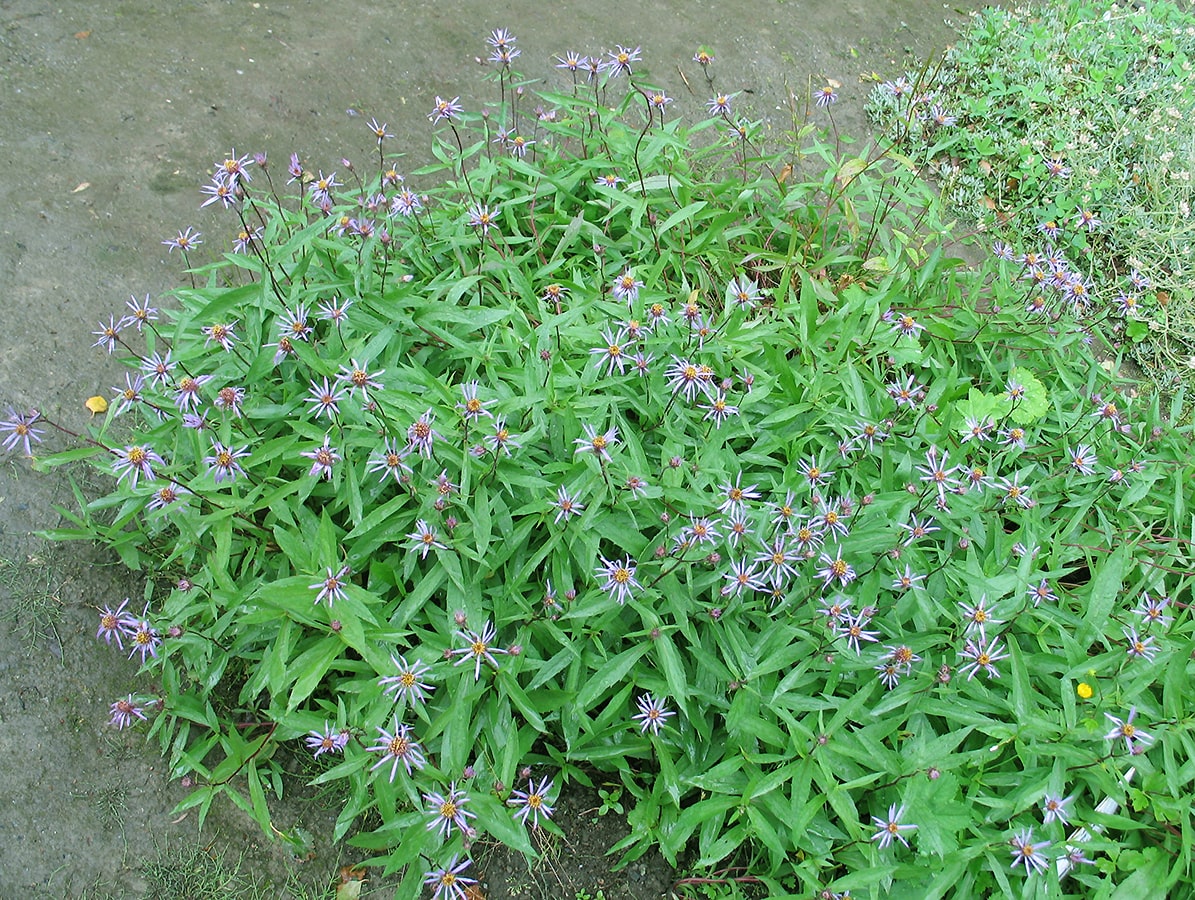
[577,863]
[114,113]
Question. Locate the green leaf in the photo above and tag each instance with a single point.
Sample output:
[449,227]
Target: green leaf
[1105,588]
[612,671]
[314,663]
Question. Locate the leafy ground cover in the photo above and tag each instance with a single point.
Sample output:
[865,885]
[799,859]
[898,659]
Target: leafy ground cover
[613,450]
[1105,93]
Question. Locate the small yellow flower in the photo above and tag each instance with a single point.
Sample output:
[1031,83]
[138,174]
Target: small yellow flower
[96,404]
[1084,690]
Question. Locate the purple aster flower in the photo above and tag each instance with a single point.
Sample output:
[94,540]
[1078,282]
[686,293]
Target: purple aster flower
[835,569]
[718,410]
[186,395]
[742,576]
[224,462]
[222,334]
[482,218]
[397,747]
[327,741]
[406,203]
[742,292]
[245,239]
[1082,459]
[230,399]
[533,802]
[222,192]
[653,714]
[479,648]
[814,473]
[334,310]
[184,241]
[701,531]
[936,473]
[125,711]
[976,618]
[448,810]
[684,377]
[983,654]
[916,529]
[609,180]
[358,378]
[907,393]
[619,578]
[144,639]
[1056,168]
[472,408]
[597,444]
[888,673]
[448,882]
[736,495]
[612,353]
[1042,592]
[136,461]
[166,495]
[626,287]
[906,580]
[107,335]
[1028,854]
[158,368]
[571,61]
[854,629]
[114,623]
[636,486]
[720,104]
[566,505]
[1054,809]
[381,132]
[891,829]
[620,60]
[1153,610]
[141,313]
[20,430]
[779,559]
[389,461]
[324,399]
[1140,646]
[1128,732]
[425,538]
[501,440]
[324,458]
[1085,218]
[321,188]
[824,96]
[408,684]
[940,117]
[421,436]
[332,587]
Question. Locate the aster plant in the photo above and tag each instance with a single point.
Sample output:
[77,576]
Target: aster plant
[774,560]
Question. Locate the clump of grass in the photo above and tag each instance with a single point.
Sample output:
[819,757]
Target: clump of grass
[35,606]
[197,872]
[1108,90]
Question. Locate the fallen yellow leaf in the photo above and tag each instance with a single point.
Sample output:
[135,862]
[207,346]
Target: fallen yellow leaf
[96,404]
